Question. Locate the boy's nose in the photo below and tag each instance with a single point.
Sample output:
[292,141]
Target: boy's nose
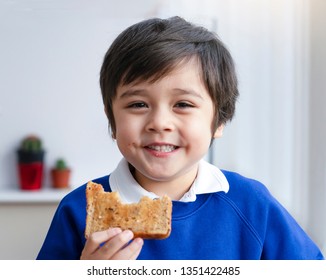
[160,120]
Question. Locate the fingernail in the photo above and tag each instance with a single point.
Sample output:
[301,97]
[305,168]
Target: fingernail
[139,241]
[116,230]
[128,234]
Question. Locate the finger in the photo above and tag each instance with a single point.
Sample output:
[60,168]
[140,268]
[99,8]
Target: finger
[140,243]
[130,252]
[115,244]
[97,238]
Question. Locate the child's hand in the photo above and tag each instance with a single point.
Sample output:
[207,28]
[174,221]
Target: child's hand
[112,244]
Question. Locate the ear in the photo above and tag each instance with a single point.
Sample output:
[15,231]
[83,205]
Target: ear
[219,131]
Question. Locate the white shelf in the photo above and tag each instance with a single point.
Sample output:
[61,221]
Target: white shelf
[46,195]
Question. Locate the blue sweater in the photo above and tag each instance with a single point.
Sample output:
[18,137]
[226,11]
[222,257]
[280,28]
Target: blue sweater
[245,223]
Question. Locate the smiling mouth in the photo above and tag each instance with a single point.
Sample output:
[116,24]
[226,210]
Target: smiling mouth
[162,148]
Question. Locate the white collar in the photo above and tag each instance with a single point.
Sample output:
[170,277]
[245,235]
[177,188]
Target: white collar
[209,179]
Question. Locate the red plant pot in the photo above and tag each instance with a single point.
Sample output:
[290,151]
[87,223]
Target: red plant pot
[31,175]
[60,178]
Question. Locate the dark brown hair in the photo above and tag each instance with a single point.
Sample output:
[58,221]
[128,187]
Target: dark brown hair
[150,49]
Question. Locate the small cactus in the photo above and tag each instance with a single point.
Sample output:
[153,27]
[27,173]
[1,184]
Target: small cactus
[31,144]
[61,164]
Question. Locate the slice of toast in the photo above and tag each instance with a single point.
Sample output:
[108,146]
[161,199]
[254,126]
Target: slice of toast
[147,219]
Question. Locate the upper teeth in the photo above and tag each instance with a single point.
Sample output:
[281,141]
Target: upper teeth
[163,148]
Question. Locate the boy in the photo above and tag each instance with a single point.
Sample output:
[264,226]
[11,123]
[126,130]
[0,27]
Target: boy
[168,88]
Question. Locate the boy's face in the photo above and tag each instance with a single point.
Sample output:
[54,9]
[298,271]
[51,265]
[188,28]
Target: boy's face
[164,128]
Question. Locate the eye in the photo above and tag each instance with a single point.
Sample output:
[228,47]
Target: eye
[138,105]
[184,104]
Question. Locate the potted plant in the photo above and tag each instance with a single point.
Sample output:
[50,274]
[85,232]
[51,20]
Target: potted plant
[30,163]
[60,174]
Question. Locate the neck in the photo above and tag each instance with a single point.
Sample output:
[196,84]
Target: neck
[174,188]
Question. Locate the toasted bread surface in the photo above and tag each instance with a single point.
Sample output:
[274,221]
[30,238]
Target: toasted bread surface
[147,219]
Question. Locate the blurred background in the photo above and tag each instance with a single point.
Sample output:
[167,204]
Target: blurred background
[50,56]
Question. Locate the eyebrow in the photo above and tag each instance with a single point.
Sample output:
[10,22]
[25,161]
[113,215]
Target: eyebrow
[140,92]
[132,92]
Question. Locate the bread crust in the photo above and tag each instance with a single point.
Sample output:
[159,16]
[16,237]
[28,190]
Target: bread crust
[148,219]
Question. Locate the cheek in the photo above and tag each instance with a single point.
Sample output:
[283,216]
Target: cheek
[127,134]
[198,132]
[202,124]
[204,133]
[125,139]
[124,133]
[122,124]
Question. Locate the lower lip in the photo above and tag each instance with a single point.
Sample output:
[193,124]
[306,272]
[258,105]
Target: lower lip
[160,154]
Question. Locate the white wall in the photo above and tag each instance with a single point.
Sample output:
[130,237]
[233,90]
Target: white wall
[53,49]
[317,127]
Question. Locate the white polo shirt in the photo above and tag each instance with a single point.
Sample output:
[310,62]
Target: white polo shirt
[209,179]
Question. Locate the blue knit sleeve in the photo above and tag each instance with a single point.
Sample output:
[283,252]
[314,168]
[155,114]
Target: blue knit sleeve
[65,239]
[281,236]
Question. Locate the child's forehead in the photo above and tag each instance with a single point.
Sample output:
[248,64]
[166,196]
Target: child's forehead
[173,68]
[183,79]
